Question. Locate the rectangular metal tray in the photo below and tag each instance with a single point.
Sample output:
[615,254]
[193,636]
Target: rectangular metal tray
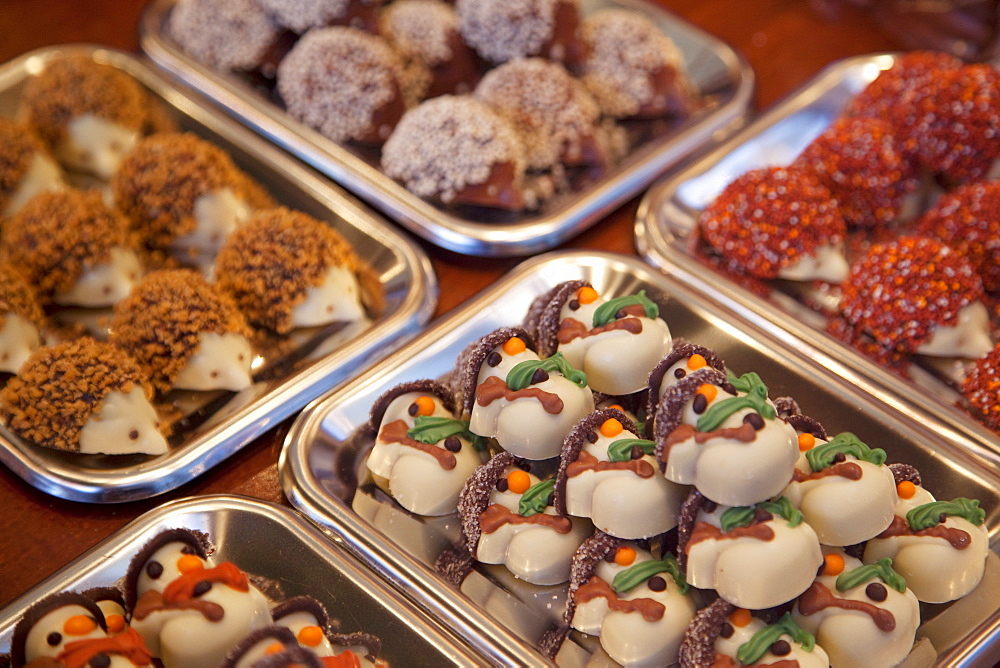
[279,545]
[724,78]
[232,421]
[323,472]
[669,211]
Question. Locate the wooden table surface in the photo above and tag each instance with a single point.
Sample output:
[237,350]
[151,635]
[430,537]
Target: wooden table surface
[785,41]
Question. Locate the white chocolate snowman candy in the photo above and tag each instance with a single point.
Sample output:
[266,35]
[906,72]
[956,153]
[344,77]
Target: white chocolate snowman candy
[97,401]
[614,341]
[684,359]
[861,615]
[527,404]
[755,557]
[189,609]
[184,333]
[637,604]
[724,437]
[422,454]
[21,319]
[308,620]
[28,169]
[270,646]
[112,604]
[939,547]
[607,473]
[843,489]
[507,518]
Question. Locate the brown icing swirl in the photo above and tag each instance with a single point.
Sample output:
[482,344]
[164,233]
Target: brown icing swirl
[745,433]
[588,462]
[571,328]
[495,516]
[395,432]
[595,587]
[705,531]
[958,538]
[494,388]
[152,601]
[849,470]
[819,597]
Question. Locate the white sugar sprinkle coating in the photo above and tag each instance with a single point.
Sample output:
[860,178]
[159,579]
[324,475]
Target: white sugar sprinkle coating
[500,30]
[551,111]
[448,143]
[223,34]
[420,29]
[302,15]
[625,47]
[335,79]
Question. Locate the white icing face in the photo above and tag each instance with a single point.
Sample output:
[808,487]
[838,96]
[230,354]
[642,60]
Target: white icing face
[95,145]
[851,637]
[216,215]
[123,424]
[50,634]
[532,551]
[680,370]
[616,361]
[755,573]
[631,501]
[221,362]
[43,176]
[18,339]
[301,619]
[825,263]
[419,481]
[336,299]
[105,284]
[114,615]
[816,658]
[969,337]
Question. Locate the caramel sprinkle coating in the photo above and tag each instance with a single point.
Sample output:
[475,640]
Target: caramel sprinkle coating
[269,264]
[18,145]
[18,296]
[900,291]
[768,218]
[71,87]
[160,321]
[697,648]
[224,34]
[161,178]
[981,388]
[60,387]
[57,236]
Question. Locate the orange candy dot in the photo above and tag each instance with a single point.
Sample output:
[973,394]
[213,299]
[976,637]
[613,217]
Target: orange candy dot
[514,346]
[906,489]
[274,648]
[618,406]
[740,617]
[833,564]
[79,625]
[710,391]
[611,428]
[624,555]
[518,481]
[116,623]
[586,295]
[310,636]
[696,362]
[189,562]
[425,405]
[806,442]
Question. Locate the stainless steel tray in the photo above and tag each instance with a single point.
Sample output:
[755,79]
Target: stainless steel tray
[234,420]
[323,472]
[278,544]
[669,211]
[723,76]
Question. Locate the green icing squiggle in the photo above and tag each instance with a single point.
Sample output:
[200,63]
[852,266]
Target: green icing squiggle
[929,514]
[752,650]
[846,443]
[430,429]
[635,575]
[754,396]
[605,313]
[742,516]
[520,376]
[881,569]
[621,450]
[536,498]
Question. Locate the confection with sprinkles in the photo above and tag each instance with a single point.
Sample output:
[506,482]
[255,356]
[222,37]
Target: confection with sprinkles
[26,167]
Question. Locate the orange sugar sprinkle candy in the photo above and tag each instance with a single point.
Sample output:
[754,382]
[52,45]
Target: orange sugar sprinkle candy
[274,648]
[310,636]
[425,405]
[833,564]
[696,362]
[116,623]
[906,489]
[586,295]
[611,428]
[518,481]
[79,625]
[740,617]
[709,391]
[806,442]
[625,555]
[189,562]
[514,346]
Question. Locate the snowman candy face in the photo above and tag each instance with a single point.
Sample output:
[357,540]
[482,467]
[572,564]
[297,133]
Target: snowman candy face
[751,641]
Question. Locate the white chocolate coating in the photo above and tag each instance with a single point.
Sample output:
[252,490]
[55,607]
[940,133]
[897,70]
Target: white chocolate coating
[104,284]
[297,621]
[43,175]
[123,423]
[221,362]
[337,298]
[816,658]
[969,337]
[415,478]
[216,215]
[35,645]
[18,339]
[825,263]
[95,145]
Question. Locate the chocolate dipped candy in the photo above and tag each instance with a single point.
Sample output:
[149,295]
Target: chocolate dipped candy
[861,615]
[502,31]
[27,167]
[83,396]
[723,436]
[301,16]
[636,603]
[608,474]
[683,359]
[189,609]
[614,341]
[423,454]
[843,489]
[981,388]
[271,647]
[313,629]
[21,319]
[507,518]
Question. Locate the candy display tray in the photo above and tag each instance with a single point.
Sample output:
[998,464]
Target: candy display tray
[667,218]
[216,425]
[723,77]
[285,550]
[323,472]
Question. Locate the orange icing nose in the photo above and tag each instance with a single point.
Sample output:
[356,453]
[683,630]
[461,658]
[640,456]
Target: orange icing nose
[833,564]
[310,636]
[586,295]
[274,648]
[740,617]
[906,489]
[189,562]
[514,346]
[116,623]
[425,405]
[518,482]
[611,428]
[79,625]
[624,556]
[806,442]
[710,391]
[696,362]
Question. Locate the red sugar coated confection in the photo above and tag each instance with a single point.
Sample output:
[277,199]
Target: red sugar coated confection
[982,388]
[901,290]
[862,163]
[768,218]
[888,94]
[968,220]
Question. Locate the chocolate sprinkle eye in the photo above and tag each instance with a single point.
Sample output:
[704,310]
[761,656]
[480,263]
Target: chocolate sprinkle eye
[621,313]
[876,591]
[755,420]
[100,661]
[154,569]
[656,583]
[202,588]
[187,549]
[728,387]
[453,444]
[494,359]
[133,434]
[679,373]
[592,437]
[412,409]
[942,518]
[501,485]
[781,648]
[839,457]
[636,452]
[726,630]
[53,638]
[699,404]
[540,376]
[573,305]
